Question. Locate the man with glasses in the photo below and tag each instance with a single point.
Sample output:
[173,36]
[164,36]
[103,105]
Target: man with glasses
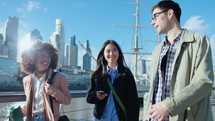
[181,72]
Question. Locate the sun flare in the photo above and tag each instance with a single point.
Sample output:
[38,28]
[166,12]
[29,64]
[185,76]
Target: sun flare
[25,44]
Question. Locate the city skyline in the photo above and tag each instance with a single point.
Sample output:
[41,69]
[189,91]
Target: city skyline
[67,57]
[94,21]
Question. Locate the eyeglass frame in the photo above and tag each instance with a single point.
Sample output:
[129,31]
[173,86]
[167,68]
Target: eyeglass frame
[155,15]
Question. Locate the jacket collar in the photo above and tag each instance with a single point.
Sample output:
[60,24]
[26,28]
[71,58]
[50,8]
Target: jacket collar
[187,36]
[121,70]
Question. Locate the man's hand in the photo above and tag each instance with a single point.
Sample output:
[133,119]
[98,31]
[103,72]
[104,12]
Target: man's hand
[158,111]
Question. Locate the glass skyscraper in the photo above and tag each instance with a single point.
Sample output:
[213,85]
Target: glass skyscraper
[87,57]
[73,53]
[11,36]
[57,39]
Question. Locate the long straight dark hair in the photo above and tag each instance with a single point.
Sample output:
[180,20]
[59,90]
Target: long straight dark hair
[102,62]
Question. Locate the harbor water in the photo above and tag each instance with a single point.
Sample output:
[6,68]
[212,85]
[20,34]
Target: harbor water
[78,110]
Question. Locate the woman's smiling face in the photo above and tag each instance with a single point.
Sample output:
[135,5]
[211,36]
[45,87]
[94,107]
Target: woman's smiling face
[111,54]
[43,61]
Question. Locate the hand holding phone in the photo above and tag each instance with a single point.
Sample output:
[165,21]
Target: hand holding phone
[101,94]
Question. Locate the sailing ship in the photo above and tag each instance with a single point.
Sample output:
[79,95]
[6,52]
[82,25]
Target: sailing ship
[141,79]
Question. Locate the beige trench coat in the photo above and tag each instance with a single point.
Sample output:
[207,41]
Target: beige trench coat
[192,79]
[61,96]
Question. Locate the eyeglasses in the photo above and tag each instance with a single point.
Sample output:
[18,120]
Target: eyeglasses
[155,15]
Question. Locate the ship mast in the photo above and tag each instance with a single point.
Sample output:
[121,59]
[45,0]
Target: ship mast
[136,48]
[136,39]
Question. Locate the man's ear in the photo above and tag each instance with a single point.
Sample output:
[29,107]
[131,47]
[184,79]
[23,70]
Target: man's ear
[170,13]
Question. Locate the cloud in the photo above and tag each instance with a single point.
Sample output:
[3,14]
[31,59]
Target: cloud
[22,11]
[3,4]
[45,10]
[32,5]
[196,23]
[26,8]
[23,24]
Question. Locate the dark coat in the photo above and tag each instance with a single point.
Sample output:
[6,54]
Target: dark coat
[125,87]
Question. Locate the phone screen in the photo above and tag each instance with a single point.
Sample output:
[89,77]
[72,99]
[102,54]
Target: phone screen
[100,92]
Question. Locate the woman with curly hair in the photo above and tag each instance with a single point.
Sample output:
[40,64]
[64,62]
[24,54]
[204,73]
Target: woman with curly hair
[39,62]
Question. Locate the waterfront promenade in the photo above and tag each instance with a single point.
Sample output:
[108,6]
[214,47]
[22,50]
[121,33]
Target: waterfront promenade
[78,110]
[81,115]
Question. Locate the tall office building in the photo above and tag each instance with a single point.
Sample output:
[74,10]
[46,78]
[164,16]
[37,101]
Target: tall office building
[66,62]
[87,57]
[10,34]
[57,39]
[54,39]
[73,53]
[143,66]
[3,53]
[1,39]
[33,35]
[1,43]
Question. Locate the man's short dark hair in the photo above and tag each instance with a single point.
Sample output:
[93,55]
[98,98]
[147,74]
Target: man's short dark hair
[169,4]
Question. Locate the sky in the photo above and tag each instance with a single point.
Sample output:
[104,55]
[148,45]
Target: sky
[95,20]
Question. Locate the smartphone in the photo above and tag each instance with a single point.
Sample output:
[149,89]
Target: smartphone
[100,92]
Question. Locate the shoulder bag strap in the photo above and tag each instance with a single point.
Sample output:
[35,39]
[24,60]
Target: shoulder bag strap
[117,97]
[50,97]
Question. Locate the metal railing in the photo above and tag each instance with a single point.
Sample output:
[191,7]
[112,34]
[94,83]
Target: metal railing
[22,97]
[85,110]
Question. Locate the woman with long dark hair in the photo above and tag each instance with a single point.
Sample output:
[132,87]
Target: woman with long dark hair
[111,67]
